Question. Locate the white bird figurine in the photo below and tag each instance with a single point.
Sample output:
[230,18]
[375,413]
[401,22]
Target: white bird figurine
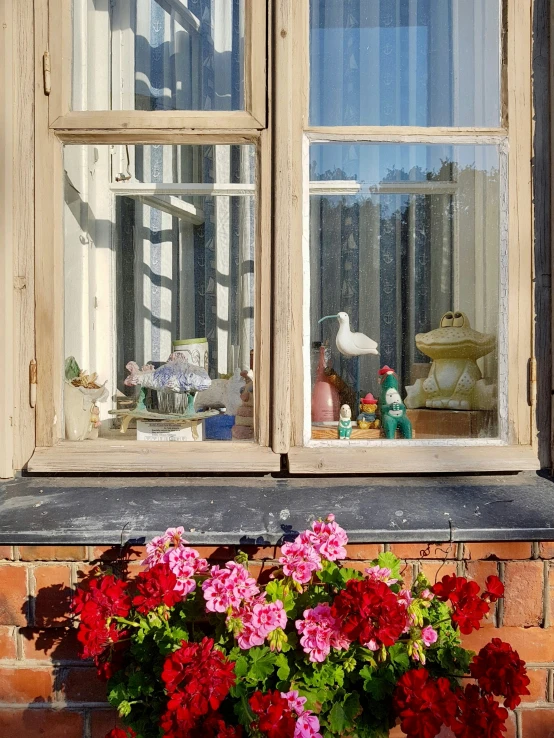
[351,344]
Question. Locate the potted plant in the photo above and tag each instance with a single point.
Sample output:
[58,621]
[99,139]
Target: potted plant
[320,651]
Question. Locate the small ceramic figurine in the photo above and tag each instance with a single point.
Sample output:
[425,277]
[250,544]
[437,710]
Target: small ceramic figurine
[348,343]
[177,375]
[455,381]
[393,410]
[244,419]
[222,393]
[368,413]
[345,422]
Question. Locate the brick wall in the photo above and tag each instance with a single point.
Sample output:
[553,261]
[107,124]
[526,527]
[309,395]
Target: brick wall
[46,691]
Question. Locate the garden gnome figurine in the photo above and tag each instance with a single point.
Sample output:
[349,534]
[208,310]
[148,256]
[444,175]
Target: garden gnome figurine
[393,410]
[345,422]
[368,413]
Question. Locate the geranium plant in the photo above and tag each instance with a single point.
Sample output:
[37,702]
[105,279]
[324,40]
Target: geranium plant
[321,650]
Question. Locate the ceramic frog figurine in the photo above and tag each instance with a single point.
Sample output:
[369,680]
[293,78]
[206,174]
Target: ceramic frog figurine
[455,381]
[393,410]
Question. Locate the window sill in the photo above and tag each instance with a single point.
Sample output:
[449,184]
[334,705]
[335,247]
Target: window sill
[214,511]
[411,457]
[133,457]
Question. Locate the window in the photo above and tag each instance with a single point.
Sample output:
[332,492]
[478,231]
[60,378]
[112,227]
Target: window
[337,200]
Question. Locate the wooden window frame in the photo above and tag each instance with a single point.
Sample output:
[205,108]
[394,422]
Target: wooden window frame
[518,451]
[276,122]
[253,117]
[55,125]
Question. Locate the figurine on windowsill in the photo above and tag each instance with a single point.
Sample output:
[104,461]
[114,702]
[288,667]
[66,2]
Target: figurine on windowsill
[368,413]
[393,410]
[345,422]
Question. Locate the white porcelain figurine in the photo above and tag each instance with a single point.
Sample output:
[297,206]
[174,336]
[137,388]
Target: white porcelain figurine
[349,343]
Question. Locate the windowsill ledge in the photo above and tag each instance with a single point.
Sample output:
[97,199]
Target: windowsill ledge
[234,510]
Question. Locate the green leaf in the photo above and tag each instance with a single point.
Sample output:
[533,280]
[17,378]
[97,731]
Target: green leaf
[72,370]
[399,656]
[352,707]
[241,666]
[124,709]
[263,663]
[283,668]
[337,718]
[388,560]
[348,574]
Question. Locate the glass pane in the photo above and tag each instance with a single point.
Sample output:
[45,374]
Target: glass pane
[405,62]
[158,55]
[159,255]
[405,249]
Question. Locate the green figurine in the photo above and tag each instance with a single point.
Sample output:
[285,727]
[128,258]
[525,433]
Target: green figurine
[345,422]
[393,410]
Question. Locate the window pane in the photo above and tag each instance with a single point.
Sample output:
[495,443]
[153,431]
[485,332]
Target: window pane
[405,245]
[405,62]
[158,55]
[159,255]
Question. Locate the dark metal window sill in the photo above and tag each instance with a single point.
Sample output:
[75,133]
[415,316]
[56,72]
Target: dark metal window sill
[235,510]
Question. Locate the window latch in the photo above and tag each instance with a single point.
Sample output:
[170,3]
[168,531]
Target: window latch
[33,383]
[46,72]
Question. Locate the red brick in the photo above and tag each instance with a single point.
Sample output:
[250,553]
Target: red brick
[80,684]
[13,594]
[219,553]
[7,643]
[546,549]
[511,726]
[26,685]
[6,552]
[363,551]
[523,598]
[52,553]
[479,571]
[39,723]
[263,573]
[52,595]
[50,644]
[116,553]
[102,721]
[497,550]
[534,645]
[424,550]
[255,553]
[537,685]
[538,723]
[436,570]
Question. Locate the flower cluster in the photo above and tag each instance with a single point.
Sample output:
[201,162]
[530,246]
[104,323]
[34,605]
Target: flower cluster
[184,562]
[498,670]
[468,609]
[425,704]
[370,613]
[98,602]
[283,715]
[197,679]
[325,541]
[198,652]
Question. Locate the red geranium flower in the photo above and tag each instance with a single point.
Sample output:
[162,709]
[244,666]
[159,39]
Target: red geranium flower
[499,671]
[197,678]
[274,716]
[370,613]
[494,589]
[467,608]
[480,715]
[156,587]
[424,704]
[121,733]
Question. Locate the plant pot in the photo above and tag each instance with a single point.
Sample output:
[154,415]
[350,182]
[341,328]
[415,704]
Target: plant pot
[77,407]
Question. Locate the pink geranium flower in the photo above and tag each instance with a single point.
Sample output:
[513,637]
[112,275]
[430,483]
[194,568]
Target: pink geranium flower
[327,538]
[307,726]
[259,618]
[429,635]
[320,632]
[185,562]
[228,587]
[380,574]
[299,561]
